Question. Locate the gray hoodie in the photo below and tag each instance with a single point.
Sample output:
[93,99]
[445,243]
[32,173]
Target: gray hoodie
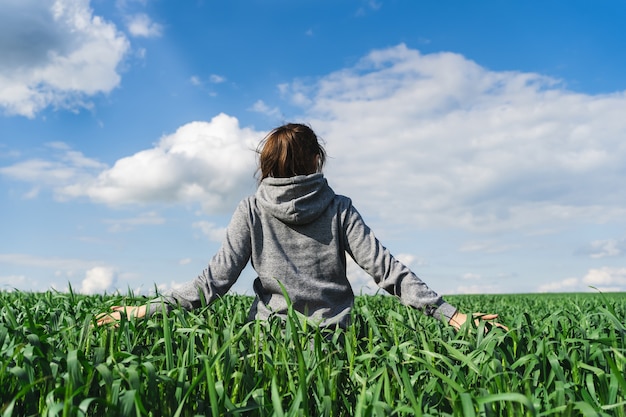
[296,232]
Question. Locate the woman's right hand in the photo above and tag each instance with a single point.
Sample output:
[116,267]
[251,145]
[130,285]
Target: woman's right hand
[115,315]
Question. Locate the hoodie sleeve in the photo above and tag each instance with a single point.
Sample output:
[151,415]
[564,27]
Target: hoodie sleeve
[389,273]
[221,273]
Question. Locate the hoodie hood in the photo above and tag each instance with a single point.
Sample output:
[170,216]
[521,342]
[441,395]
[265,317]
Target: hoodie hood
[295,200]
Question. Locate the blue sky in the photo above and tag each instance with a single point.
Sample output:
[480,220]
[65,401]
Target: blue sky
[482,141]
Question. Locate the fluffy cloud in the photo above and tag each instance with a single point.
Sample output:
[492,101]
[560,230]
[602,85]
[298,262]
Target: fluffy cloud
[55,52]
[208,162]
[98,280]
[211,163]
[438,140]
[430,140]
[565,285]
[607,279]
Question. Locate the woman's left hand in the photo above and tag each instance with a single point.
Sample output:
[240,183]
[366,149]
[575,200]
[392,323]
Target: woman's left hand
[116,314]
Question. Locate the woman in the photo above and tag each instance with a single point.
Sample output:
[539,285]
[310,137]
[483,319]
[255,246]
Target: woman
[296,232]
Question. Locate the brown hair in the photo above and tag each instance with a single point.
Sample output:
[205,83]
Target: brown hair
[290,150]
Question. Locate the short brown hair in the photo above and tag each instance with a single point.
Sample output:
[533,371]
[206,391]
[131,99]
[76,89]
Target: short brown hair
[289,150]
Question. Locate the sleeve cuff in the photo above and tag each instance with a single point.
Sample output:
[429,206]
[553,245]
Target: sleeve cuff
[444,312]
[156,306]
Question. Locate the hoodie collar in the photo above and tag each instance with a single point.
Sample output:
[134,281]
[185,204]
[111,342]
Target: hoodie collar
[295,200]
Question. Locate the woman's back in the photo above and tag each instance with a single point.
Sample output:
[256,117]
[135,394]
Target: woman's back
[298,241]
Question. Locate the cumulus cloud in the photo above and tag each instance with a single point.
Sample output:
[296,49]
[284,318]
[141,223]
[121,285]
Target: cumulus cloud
[211,163]
[606,279]
[165,288]
[208,162]
[565,285]
[98,279]
[55,53]
[438,140]
[95,276]
[429,140]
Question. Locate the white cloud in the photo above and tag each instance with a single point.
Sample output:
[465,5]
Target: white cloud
[217,79]
[367,6]
[426,140]
[410,260]
[211,230]
[68,265]
[437,140]
[606,279]
[32,194]
[9,282]
[98,279]
[565,285]
[213,79]
[607,248]
[469,276]
[208,162]
[486,247]
[478,289]
[140,25]
[66,167]
[211,163]
[363,283]
[260,107]
[122,225]
[56,53]
[164,288]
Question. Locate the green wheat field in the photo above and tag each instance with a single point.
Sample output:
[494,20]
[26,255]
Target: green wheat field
[564,355]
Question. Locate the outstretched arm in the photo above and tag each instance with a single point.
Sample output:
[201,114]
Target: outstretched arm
[396,278]
[221,273]
[389,273]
